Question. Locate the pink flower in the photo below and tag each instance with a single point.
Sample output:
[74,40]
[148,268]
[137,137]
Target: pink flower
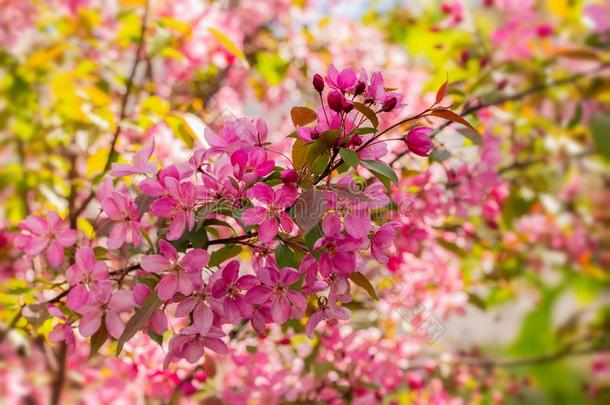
[122,209]
[105,305]
[338,252]
[275,288]
[83,276]
[419,142]
[141,164]
[239,134]
[179,205]
[382,240]
[252,165]
[328,311]
[45,233]
[343,81]
[230,289]
[191,342]
[272,214]
[180,274]
[599,13]
[62,332]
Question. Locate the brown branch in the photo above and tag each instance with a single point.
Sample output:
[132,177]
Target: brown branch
[514,97]
[233,239]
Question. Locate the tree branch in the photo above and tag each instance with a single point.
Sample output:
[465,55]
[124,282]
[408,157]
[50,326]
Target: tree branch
[514,97]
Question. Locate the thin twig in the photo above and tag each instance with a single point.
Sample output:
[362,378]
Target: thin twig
[124,104]
[514,97]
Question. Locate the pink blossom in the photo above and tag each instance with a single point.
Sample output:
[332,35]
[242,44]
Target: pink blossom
[45,233]
[231,290]
[192,341]
[179,206]
[271,215]
[328,311]
[84,275]
[107,306]
[251,165]
[140,165]
[124,211]
[343,81]
[180,274]
[238,134]
[382,240]
[275,288]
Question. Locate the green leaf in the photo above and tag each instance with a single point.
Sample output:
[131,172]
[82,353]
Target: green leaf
[361,281]
[318,165]
[223,254]
[381,169]
[156,338]
[368,113]
[139,319]
[349,157]
[98,339]
[284,256]
[600,129]
[328,138]
[312,236]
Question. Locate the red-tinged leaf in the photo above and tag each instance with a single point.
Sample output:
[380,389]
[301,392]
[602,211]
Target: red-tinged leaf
[368,113]
[452,116]
[302,116]
[440,94]
[139,319]
[361,281]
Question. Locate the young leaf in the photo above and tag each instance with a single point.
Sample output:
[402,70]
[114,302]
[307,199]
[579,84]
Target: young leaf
[320,163]
[139,319]
[284,256]
[451,116]
[98,339]
[368,113]
[361,281]
[440,94]
[302,116]
[223,254]
[349,157]
[380,168]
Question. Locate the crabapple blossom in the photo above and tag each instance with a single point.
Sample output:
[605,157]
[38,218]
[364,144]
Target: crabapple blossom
[48,234]
[179,273]
[275,289]
[271,216]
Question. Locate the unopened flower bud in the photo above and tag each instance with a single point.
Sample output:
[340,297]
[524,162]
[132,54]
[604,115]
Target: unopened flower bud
[389,104]
[289,176]
[347,106]
[419,142]
[360,87]
[318,83]
[335,100]
[355,140]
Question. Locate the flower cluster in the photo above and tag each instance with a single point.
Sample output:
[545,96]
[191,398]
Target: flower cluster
[308,220]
